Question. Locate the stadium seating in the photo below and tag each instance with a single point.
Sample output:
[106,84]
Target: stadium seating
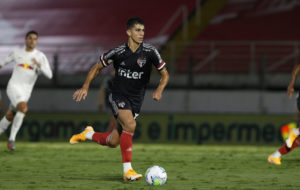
[250,26]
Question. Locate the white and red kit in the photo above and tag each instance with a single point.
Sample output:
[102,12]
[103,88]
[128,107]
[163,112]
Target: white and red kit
[25,73]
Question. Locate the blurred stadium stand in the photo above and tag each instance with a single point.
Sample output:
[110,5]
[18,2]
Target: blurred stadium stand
[244,32]
[73,33]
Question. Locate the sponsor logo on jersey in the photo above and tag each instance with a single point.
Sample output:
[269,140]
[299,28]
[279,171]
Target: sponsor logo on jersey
[141,61]
[130,74]
[26,66]
[122,63]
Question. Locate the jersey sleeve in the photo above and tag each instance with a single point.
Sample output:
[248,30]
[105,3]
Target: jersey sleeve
[45,67]
[7,59]
[108,57]
[157,60]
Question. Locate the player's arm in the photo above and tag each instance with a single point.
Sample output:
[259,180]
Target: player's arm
[290,89]
[7,60]
[157,94]
[45,67]
[82,93]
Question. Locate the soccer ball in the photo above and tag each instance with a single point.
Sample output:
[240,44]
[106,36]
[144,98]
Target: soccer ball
[156,176]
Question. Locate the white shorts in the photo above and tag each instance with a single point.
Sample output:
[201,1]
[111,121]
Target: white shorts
[17,93]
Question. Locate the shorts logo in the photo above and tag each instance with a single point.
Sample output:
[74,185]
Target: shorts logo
[141,61]
[121,104]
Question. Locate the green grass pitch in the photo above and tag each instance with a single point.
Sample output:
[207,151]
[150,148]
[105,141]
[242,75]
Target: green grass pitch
[58,166]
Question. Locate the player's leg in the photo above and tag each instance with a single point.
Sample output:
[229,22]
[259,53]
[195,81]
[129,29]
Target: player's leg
[275,158]
[128,123]
[111,139]
[6,120]
[22,109]
[18,96]
[294,133]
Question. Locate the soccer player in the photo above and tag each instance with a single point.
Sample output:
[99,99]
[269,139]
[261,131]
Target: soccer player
[293,139]
[103,103]
[133,64]
[28,64]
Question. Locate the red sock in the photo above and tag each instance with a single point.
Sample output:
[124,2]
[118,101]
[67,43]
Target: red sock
[296,143]
[126,145]
[284,149]
[101,138]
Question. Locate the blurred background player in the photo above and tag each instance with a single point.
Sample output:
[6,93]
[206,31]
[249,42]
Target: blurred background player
[133,64]
[104,92]
[293,139]
[29,63]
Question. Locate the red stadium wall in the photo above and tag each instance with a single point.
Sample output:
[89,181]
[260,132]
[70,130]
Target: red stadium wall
[90,21]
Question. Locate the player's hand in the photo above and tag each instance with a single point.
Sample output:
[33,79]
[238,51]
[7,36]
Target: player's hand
[36,63]
[157,95]
[80,94]
[290,91]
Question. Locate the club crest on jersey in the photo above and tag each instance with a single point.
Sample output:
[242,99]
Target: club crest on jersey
[121,104]
[141,61]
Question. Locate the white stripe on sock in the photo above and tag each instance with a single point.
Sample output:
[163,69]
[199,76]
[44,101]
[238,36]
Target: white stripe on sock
[89,135]
[276,154]
[126,166]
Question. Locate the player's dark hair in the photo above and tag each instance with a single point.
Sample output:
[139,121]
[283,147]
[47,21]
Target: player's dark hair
[31,32]
[133,21]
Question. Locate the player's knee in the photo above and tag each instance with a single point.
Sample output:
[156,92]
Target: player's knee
[130,125]
[114,139]
[9,115]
